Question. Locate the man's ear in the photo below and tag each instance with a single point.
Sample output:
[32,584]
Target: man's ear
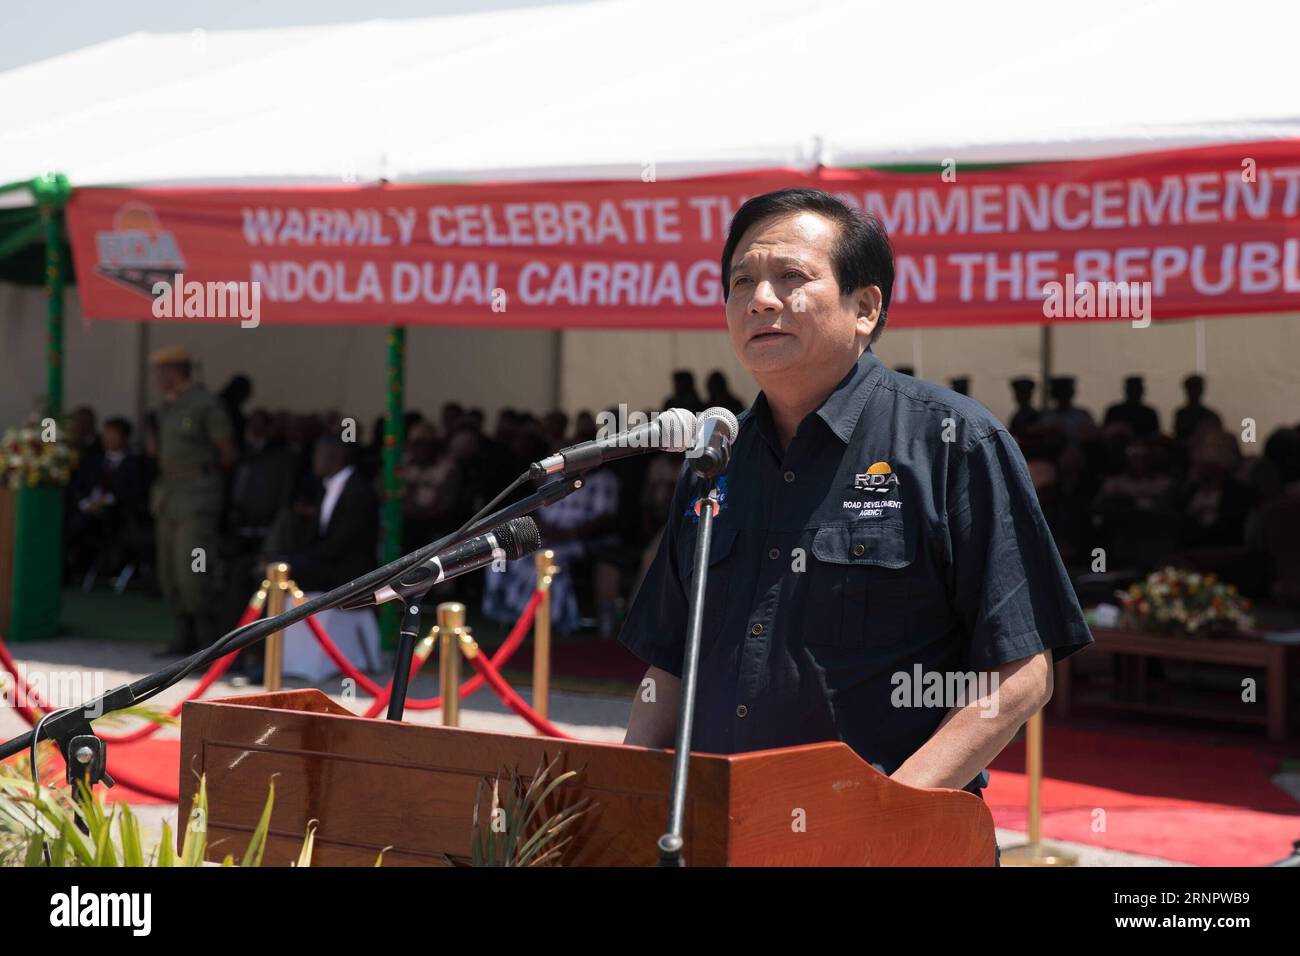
[869,300]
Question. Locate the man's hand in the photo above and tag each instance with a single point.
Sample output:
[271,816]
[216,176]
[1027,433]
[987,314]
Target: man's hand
[654,711]
[966,742]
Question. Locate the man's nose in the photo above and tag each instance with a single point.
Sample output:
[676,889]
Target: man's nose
[764,299]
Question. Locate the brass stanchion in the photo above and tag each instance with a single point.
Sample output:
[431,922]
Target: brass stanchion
[1033,853]
[277,588]
[451,629]
[547,569]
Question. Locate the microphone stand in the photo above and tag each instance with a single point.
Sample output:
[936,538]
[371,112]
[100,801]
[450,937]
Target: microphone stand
[670,844]
[409,630]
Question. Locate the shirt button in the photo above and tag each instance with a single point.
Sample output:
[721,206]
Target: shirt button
[774,553]
[742,710]
[756,630]
[789,476]
[859,550]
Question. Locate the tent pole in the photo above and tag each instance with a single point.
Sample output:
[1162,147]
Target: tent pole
[51,192]
[393,438]
[557,368]
[1045,365]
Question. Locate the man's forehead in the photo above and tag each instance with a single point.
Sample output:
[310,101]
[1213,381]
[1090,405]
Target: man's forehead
[803,235]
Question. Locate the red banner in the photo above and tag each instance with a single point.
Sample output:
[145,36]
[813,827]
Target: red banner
[1199,232]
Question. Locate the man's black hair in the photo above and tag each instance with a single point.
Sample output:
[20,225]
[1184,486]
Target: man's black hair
[861,254]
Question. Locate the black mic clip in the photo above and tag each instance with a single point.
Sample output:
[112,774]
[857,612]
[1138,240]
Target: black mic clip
[84,753]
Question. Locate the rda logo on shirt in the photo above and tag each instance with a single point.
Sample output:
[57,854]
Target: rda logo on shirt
[137,251]
[879,478]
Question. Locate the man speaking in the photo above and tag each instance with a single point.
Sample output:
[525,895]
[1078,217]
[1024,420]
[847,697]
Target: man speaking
[875,532]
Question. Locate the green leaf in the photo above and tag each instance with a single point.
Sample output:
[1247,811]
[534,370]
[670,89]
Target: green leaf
[195,844]
[35,855]
[166,849]
[59,852]
[257,845]
[80,851]
[308,844]
[105,855]
[128,828]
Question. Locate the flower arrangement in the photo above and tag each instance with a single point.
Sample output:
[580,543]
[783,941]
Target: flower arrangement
[1178,601]
[27,461]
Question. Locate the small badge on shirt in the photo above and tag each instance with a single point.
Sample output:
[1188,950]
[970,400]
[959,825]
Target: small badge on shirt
[874,492]
[693,510]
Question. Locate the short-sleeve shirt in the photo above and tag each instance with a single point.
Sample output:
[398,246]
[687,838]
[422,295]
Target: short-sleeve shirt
[897,541]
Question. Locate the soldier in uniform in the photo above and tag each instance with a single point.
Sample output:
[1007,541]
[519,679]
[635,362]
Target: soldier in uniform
[195,447]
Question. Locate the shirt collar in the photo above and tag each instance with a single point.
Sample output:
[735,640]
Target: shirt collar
[842,407]
[339,478]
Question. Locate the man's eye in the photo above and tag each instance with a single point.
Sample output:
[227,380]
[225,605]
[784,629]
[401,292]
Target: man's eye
[738,280]
[792,274]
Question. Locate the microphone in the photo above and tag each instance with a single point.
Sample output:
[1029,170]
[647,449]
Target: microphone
[510,541]
[712,452]
[672,431]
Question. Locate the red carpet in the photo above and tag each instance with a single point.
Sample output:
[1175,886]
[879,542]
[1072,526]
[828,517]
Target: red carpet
[1195,803]
[151,762]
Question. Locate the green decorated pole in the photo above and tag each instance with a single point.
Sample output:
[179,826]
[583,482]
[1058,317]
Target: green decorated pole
[51,192]
[393,437]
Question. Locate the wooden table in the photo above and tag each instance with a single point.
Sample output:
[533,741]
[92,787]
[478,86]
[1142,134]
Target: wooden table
[1134,649]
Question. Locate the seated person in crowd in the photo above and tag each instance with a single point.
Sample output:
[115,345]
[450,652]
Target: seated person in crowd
[109,520]
[570,527]
[1214,503]
[1145,484]
[335,538]
[431,488]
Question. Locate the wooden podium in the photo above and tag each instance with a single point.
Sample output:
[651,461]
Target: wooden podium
[375,783]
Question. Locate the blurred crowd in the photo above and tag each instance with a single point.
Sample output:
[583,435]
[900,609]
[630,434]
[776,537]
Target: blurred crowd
[1123,495]
[307,488]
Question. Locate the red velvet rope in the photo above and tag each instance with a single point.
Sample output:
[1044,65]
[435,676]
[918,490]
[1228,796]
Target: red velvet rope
[513,700]
[340,659]
[12,667]
[211,676]
[503,654]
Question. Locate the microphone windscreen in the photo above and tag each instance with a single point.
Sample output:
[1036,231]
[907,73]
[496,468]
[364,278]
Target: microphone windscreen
[518,538]
[725,415]
[676,430]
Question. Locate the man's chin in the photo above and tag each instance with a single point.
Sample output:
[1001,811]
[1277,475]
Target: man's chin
[766,356]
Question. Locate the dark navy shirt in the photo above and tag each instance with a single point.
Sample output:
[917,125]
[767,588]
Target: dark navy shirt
[898,536]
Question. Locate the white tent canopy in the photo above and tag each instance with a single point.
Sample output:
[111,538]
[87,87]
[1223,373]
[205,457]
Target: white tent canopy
[596,90]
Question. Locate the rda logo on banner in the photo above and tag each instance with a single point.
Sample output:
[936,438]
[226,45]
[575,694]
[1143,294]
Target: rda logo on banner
[75,909]
[137,251]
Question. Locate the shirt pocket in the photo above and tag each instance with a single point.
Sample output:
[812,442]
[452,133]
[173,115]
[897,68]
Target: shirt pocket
[721,567]
[860,585]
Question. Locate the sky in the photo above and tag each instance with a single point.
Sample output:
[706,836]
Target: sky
[33,30]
